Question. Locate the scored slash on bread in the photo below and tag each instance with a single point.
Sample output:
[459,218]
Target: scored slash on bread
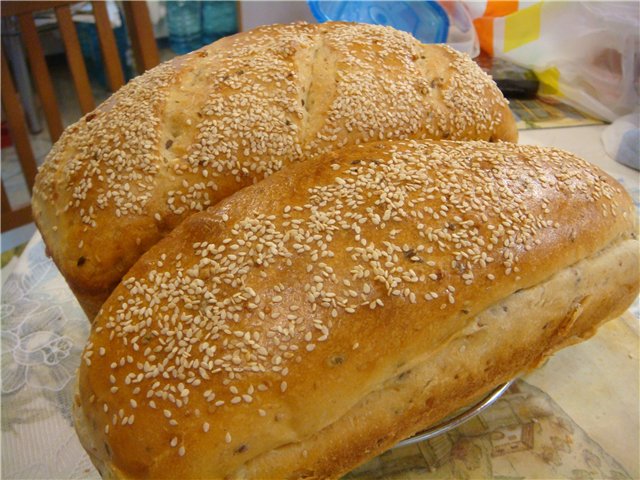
[311,321]
[192,131]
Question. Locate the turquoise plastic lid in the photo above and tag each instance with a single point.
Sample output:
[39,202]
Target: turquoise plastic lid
[425,20]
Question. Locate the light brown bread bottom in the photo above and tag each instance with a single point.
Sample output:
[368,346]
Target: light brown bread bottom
[506,340]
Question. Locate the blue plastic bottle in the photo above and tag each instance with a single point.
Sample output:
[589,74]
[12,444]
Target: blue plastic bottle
[219,19]
[184,20]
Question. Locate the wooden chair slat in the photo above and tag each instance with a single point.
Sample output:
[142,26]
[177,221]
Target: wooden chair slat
[16,219]
[17,125]
[11,8]
[6,205]
[74,57]
[140,29]
[41,76]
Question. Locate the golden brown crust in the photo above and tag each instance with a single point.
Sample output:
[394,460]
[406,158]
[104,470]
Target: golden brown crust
[192,131]
[297,298]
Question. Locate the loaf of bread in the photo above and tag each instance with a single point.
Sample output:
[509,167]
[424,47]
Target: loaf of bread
[192,131]
[309,322]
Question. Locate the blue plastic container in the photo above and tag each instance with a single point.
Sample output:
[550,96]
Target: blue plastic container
[425,20]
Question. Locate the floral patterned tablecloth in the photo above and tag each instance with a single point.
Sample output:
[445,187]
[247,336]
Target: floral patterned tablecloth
[43,333]
[576,417]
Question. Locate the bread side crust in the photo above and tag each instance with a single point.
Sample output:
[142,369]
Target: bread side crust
[503,342]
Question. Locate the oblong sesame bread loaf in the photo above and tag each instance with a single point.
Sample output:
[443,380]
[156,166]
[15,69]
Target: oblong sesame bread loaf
[192,131]
[311,321]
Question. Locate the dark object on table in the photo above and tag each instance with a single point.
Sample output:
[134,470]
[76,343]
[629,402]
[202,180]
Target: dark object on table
[513,80]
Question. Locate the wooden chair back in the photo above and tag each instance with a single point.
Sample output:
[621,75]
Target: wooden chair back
[145,52]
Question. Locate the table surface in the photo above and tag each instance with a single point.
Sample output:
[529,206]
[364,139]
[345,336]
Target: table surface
[575,417]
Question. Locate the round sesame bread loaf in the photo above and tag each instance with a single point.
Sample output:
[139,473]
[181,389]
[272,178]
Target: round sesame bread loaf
[309,322]
[192,131]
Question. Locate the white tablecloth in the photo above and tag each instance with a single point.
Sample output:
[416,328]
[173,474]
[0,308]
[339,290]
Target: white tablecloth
[576,417]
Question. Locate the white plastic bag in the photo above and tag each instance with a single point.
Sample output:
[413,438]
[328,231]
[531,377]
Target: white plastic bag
[587,53]
[462,36]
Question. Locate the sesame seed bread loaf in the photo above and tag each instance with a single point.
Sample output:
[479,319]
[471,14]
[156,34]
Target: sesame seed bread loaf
[192,131]
[311,321]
